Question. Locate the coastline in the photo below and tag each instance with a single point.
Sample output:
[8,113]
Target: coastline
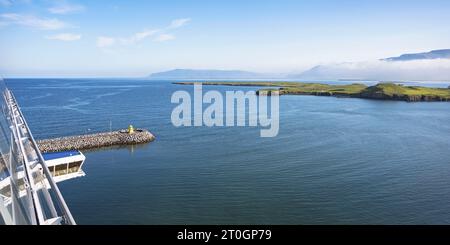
[380,91]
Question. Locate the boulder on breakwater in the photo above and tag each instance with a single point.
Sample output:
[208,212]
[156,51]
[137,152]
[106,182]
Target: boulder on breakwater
[97,140]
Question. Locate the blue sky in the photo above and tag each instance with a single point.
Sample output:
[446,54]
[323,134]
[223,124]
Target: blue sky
[108,38]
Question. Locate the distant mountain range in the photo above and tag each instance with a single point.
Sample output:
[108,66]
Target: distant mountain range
[206,74]
[435,54]
[403,67]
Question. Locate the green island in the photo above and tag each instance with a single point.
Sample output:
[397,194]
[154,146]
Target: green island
[381,91]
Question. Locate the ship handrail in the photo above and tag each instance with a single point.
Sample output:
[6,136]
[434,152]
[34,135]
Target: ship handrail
[67,215]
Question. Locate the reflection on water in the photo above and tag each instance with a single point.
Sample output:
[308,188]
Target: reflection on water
[130,148]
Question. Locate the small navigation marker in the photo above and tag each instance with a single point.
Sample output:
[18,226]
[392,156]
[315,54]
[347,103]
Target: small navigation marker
[130,129]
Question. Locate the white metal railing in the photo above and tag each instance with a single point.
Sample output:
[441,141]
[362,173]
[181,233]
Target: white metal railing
[34,196]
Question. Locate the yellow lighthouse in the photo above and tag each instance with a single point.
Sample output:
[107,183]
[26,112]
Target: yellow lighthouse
[130,129]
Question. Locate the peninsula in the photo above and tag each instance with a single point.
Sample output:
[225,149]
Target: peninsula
[381,91]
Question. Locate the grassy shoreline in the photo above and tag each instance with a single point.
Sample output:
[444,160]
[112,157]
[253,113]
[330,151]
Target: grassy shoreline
[381,91]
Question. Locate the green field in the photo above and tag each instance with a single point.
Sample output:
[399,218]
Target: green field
[381,91]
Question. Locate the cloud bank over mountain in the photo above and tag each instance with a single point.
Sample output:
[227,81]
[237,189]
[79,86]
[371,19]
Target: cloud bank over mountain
[412,67]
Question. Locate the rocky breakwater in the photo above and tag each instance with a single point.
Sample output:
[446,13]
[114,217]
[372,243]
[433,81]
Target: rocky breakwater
[97,140]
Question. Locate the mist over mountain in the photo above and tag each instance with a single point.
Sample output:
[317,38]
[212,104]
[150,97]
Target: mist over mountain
[429,66]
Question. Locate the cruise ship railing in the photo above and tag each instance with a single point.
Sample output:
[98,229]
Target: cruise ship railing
[28,193]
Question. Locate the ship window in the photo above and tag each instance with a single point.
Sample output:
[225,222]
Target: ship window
[6,191]
[63,169]
[60,169]
[74,166]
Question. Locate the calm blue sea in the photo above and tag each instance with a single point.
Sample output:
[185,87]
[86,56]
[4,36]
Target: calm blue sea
[335,160]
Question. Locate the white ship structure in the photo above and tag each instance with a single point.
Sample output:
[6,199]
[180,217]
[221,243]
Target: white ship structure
[28,191]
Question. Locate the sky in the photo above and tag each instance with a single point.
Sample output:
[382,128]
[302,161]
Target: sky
[133,38]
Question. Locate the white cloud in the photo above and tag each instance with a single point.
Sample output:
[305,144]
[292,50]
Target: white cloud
[418,70]
[137,37]
[66,9]
[104,42]
[164,37]
[158,34]
[32,21]
[142,35]
[65,37]
[179,23]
